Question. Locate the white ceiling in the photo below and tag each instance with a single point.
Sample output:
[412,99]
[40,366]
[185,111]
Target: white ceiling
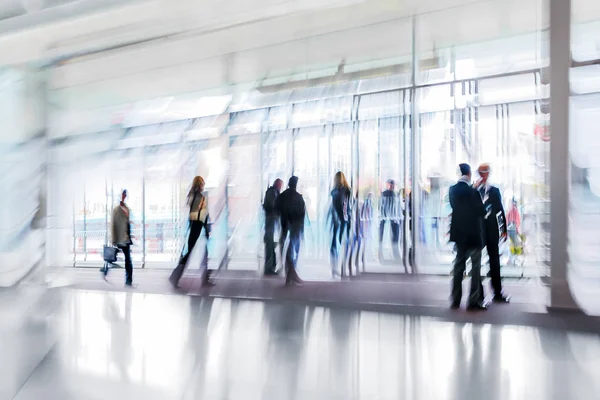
[149,49]
[366,31]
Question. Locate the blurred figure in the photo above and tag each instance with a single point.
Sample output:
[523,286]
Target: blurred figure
[466,232]
[340,221]
[513,218]
[121,235]
[270,222]
[363,229]
[513,224]
[424,198]
[292,210]
[435,211]
[494,228]
[388,210]
[198,219]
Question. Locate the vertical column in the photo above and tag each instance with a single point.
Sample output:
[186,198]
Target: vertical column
[23,167]
[560,62]
[415,158]
[144,216]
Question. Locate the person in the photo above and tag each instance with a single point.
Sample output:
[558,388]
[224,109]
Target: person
[513,226]
[121,235]
[291,208]
[494,228]
[270,222]
[513,220]
[466,232]
[363,229]
[340,219]
[389,211]
[197,220]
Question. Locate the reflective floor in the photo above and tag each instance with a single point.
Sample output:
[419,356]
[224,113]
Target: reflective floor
[73,344]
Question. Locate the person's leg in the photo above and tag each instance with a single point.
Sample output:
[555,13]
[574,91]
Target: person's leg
[291,259]
[494,254]
[395,228]
[207,273]
[270,258]
[476,295]
[282,238]
[344,245]
[333,250]
[193,235]
[128,264]
[460,264]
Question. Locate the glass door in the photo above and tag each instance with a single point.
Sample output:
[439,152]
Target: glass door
[244,194]
[311,166]
[162,206]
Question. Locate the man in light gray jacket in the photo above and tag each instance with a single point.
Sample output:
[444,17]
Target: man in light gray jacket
[121,235]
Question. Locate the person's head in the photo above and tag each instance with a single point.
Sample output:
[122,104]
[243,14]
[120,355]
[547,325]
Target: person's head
[484,171]
[391,184]
[198,184]
[293,182]
[123,195]
[465,170]
[278,184]
[339,180]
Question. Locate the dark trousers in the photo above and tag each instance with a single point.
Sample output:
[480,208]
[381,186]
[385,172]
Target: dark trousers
[270,258]
[494,254]
[395,228]
[126,249]
[291,256]
[460,265]
[341,232]
[194,235]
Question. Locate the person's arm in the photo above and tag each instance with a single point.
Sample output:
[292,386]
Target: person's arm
[451,197]
[501,211]
[113,227]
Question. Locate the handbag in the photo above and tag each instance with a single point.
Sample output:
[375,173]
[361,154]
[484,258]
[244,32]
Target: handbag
[109,253]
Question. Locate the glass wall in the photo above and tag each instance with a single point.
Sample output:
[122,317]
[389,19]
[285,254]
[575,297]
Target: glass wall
[584,143]
[407,113]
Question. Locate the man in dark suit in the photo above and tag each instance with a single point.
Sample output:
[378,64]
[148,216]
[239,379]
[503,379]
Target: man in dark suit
[466,232]
[270,223]
[494,228]
[291,208]
[389,211]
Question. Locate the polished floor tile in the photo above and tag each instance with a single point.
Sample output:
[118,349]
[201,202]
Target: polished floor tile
[129,345]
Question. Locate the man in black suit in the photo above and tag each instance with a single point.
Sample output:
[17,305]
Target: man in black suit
[389,211]
[292,210]
[494,228]
[270,222]
[466,232]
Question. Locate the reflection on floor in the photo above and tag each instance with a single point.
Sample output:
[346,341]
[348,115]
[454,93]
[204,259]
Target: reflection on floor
[130,345]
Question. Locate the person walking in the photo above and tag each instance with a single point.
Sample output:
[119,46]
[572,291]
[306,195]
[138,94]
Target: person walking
[197,220]
[389,211]
[292,210]
[269,203]
[467,234]
[494,224]
[341,211]
[121,235]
